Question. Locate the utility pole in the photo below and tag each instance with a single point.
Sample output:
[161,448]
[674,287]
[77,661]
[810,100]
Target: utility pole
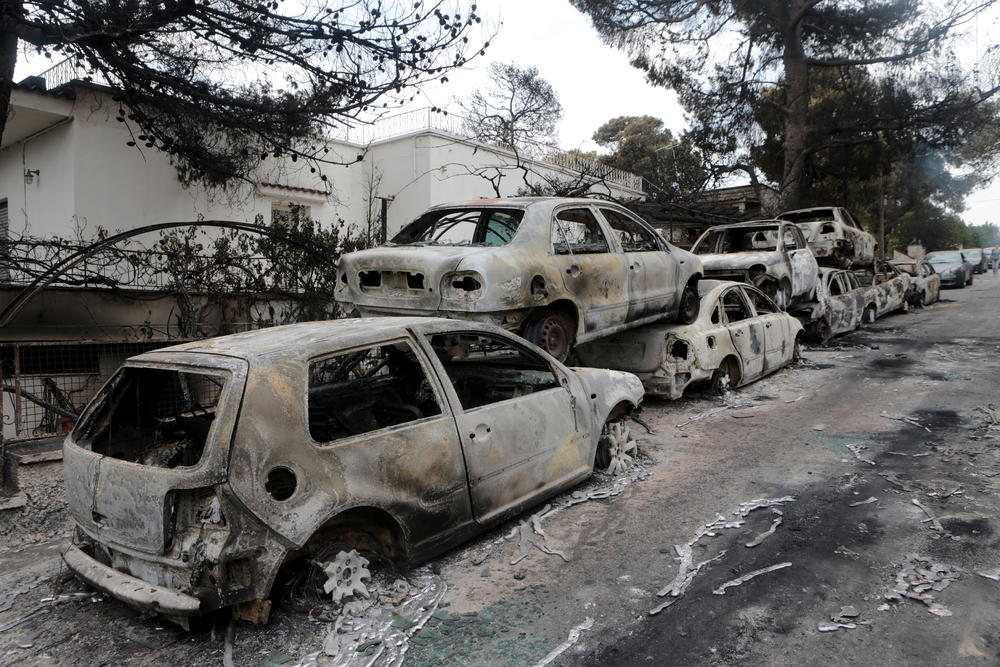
[881,196]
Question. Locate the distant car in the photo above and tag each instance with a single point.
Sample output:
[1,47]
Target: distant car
[980,260]
[926,283]
[558,271]
[200,470]
[988,252]
[888,290]
[952,266]
[772,255]
[840,305]
[834,236]
[739,336]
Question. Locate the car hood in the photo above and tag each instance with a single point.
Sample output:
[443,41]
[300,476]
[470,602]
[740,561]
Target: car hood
[738,260]
[946,266]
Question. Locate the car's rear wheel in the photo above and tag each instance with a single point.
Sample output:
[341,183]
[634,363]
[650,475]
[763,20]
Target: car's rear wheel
[869,315]
[616,449]
[821,332]
[553,331]
[725,377]
[690,304]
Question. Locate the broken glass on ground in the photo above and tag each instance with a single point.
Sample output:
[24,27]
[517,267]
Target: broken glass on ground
[919,579]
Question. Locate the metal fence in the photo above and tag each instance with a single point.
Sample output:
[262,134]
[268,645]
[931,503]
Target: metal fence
[45,384]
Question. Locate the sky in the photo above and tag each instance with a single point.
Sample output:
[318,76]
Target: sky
[595,82]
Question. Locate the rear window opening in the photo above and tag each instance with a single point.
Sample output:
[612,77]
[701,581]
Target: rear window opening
[155,417]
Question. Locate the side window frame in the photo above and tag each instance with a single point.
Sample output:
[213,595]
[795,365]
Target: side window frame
[430,371]
[611,243]
[750,295]
[746,304]
[641,224]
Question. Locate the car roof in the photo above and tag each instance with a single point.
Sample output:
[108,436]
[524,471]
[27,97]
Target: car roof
[809,210]
[749,223]
[309,339]
[519,202]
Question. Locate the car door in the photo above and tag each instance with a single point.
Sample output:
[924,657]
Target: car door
[592,268]
[652,270]
[520,425]
[802,264]
[777,329]
[746,331]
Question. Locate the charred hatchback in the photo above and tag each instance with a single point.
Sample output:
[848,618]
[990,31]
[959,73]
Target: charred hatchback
[199,470]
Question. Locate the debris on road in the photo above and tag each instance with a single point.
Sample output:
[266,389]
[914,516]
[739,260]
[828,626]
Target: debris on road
[857,448]
[796,400]
[574,636]
[867,501]
[935,524]
[906,420]
[819,427]
[346,576]
[833,627]
[918,578]
[993,574]
[527,530]
[992,414]
[759,503]
[721,590]
[894,479]
[766,534]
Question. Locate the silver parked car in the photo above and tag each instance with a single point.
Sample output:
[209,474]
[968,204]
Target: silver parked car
[200,469]
[769,254]
[558,271]
[834,236]
[739,336]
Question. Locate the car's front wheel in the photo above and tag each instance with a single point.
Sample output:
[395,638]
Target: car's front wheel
[553,331]
[616,449]
[690,304]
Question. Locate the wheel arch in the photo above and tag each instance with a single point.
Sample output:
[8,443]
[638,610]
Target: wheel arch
[363,527]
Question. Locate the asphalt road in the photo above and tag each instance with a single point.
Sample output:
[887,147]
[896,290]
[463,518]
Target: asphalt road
[827,433]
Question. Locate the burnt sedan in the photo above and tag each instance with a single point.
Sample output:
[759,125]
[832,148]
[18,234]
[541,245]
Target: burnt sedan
[841,304]
[739,336]
[199,470]
[769,254]
[925,286]
[557,271]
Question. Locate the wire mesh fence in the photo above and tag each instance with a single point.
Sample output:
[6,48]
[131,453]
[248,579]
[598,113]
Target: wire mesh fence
[45,385]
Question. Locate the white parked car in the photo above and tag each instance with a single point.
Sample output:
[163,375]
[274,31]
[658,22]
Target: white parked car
[740,336]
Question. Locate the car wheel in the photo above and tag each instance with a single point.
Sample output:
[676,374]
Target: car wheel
[971,277]
[552,331]
[822,333]
[869,315]
[797,348]
[616,449]
[690,304]
[725,377]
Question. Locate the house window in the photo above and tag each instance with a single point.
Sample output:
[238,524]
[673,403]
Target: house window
[289,212]
[4,237]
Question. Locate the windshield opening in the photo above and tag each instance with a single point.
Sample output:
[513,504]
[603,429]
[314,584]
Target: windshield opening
[462,227]
[822,215]
[738,239]
[154,416]
[943,257]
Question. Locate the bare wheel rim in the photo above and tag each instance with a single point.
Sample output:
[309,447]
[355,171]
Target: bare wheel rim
[689,305]
[621,446]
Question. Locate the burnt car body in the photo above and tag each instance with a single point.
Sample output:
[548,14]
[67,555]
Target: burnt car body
[979,260]
[769,254]
[925,282]
[200,469]
[740,336]
[558,271]
[953,267]
[888,291]
[840,305]
[834,236]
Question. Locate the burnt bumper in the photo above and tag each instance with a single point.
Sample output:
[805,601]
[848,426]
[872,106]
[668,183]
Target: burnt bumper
[131,590]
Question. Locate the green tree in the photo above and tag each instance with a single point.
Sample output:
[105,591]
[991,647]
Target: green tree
[642,145]
[727,59]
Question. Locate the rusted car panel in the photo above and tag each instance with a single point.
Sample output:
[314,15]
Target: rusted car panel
[739,332]
[925,281]
[839,306]
[888,290]
[593,262]
[834,236]
[769,254]
[402,435]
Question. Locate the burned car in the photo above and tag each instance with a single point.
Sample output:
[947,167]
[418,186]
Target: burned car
[888,291]
[558,271]
[926,283]
[980,260]
[953,267]
[201,469]
[770,254]
[739,336]
[834,236]
[840,305]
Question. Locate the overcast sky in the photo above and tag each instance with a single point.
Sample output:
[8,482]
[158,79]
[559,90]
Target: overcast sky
[595,82]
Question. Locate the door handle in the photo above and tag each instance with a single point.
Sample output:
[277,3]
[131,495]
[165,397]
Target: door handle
[481,432]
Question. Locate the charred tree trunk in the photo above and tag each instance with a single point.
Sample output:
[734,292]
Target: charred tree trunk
[10,14]
[796,112]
